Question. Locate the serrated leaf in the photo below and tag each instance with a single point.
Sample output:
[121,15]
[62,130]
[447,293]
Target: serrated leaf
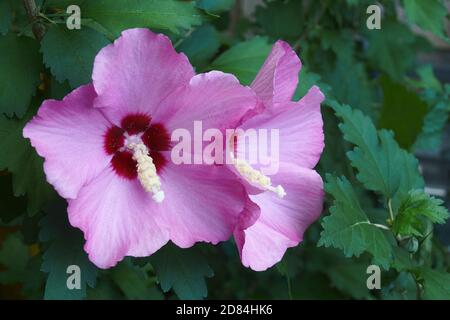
[183,270]
[433,127]
[65,249]
[22,161]
[436,284]
[244,59]
[382,165]
[21,64]
[354,90]
[416,206]
[201,45]
[119,15]
[14,257]
[348,228]
[70,53]
[429,15]
[403,112]
[427,79]
[134,282]
[390,48]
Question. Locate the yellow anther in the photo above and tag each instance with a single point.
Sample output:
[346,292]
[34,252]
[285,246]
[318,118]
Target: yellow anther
[146,170]
[256,177]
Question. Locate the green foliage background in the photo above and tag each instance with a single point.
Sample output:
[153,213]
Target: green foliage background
[381,107]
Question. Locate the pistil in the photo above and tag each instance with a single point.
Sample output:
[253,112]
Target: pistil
[146,169]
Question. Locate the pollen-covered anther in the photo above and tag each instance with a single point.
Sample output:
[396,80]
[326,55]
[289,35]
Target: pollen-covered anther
[146,170]
[256,177]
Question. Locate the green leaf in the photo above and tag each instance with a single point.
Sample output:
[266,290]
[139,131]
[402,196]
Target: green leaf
[184,270]
[382,165]
[433,127]
[280,19]
[436,284]
[350,278]
[21,64]
[244,59]
[340,41]
[215,6]
[390,48]
[201,45]
[427,79]
[14,257]
[354,90]
[12,206]
[402,260]
[134,282]
[307,79]
[418,205]
[119,15]
[429,15]
[403,112]
[348,228]
[65,249]
[105,289]
[22,161]
[70,53]
[404,287]
[6,16]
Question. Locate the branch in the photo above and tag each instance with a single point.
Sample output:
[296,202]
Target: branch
[32,13]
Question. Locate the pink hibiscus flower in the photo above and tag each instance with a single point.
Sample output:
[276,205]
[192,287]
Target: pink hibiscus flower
[276,218]
[107,150]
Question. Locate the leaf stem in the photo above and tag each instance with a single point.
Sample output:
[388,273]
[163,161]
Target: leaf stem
[391,213]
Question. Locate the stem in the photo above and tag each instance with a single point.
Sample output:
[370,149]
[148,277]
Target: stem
[391,213]
[235,15]
[377,225]
[288,280]
[46,18]
[33,15]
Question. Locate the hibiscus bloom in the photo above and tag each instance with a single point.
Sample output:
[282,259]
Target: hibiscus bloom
[107,150]
[282,207]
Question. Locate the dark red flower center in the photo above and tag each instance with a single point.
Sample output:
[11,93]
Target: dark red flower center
[153,135]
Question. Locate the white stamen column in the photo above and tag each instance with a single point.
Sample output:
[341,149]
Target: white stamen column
[146,170]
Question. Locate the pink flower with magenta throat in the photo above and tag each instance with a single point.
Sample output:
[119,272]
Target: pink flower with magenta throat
[107,147]
[280,207]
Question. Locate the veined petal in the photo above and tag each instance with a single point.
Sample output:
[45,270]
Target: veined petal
[282,222]
[118,219]
[300,127]
[202,203]
[135,73]
[69,135]
[215,98]
[277,79]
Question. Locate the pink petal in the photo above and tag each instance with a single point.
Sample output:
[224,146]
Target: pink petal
[277,79]
[136,72]
[282,222]
[118,219]
[300,125]
[69,135]
[215,98]
[202,203]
